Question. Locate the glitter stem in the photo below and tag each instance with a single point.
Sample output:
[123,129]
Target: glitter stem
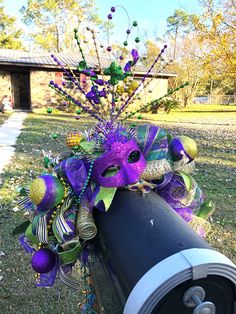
[146,106]
[143,79]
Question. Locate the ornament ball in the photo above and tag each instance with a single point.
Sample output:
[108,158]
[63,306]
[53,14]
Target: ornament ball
[43,261]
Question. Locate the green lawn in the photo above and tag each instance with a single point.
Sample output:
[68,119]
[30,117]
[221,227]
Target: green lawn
[216,174]
[3,117]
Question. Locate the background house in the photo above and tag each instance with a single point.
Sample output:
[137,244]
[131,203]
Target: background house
[24,76]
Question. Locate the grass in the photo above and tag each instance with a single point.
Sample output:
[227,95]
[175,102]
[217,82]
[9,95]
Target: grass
[17,291]
[215,173]
[4,117]
[203,114]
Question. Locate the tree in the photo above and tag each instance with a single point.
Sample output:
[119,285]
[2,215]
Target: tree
[217,26]
[204,48]
[53,21]
[152,51]
[9,33]
[180,23]
[192,66]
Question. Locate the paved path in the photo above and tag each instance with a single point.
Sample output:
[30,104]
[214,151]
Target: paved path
[9,132]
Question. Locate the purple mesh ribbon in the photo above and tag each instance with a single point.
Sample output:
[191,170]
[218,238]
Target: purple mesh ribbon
[75,172]
[26,246]
[48,279]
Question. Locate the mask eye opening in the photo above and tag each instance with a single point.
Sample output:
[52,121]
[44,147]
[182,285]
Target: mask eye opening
[134,157]
[110,171]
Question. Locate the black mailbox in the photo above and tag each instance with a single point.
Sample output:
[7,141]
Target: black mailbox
[148,260]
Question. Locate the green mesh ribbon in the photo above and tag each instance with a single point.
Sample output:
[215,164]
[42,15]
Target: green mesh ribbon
[69,252]
[153,142]
[30,236]
[206,210]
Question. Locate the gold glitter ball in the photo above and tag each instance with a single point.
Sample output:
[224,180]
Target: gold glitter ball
[73,139]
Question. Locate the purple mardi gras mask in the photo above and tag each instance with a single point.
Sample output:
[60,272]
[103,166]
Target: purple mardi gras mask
[121,165]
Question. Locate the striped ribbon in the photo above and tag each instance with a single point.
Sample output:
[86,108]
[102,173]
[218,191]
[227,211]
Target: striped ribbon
[60,226]
[67,280]
[41,229]
[24,201]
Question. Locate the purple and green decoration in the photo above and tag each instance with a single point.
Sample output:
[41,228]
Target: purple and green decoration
[109,156]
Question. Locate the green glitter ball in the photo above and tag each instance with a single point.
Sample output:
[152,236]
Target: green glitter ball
[54,135]
[49,110]
[140,117]
[78,111]
[137,39]
[126,43]
[135,23]
[133,125]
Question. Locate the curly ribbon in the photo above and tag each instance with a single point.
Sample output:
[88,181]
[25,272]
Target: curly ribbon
[60,226]
[41,229]
[85,223]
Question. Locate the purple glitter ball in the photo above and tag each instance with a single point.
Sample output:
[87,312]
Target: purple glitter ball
[109,16]
[43,261]
[128,31]
[113,9]
[109,49]
[121,57]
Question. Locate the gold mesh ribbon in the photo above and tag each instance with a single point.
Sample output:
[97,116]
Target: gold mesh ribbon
[183,166]
[187,200]
[155,169]
[200,225]
[85,224]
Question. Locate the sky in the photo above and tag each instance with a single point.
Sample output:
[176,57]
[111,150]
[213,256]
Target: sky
[151,15]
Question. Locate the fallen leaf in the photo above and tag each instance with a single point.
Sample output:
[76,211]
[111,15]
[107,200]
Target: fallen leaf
[15,209]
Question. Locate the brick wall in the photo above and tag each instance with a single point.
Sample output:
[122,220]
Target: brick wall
[41,93]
